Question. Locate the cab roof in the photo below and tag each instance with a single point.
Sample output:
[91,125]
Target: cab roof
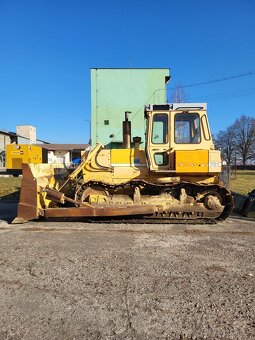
[175,107]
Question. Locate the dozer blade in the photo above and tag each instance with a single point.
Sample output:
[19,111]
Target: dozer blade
[27,208]
[35,176]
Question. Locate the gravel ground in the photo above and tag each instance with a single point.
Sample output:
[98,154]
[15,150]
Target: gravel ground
[63,280]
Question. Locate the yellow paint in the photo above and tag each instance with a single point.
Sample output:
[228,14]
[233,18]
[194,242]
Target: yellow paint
[214,161]
[97,199]
[128,157]
[122,157]
[16,154]
[192,161]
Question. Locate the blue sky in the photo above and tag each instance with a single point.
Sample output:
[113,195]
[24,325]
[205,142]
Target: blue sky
[47,48]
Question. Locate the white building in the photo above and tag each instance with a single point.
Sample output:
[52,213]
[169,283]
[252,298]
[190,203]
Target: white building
[64,153]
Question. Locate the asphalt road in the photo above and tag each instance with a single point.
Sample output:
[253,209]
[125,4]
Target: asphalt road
[64,280]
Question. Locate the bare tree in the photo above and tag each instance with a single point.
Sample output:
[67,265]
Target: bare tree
[225,141]
[178,95]
[244,130]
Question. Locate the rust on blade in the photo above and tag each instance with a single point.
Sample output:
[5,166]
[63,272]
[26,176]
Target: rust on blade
[27,208]
[93,212]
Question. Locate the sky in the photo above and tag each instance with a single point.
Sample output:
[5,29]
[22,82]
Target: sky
[47,48]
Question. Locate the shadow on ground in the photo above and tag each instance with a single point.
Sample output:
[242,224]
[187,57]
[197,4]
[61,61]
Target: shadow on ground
[9,206]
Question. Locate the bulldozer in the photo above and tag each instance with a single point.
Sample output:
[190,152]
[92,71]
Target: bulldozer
[175,177]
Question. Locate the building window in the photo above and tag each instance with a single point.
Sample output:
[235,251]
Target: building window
[106,122]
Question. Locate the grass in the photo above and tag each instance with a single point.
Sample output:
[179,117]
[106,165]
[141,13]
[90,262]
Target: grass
[9,186]
[244,181]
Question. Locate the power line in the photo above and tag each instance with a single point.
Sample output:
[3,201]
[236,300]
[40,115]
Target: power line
[217,80]
[230,97]
[226,95]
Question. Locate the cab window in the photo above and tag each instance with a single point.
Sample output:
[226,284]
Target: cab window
[161,158]
[187,128]
[160,129]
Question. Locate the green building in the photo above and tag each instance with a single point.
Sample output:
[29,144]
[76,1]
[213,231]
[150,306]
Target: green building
[114,91]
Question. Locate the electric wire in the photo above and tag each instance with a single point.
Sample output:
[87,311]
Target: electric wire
[228,94]
[219,96]
[225,95]
[217,80]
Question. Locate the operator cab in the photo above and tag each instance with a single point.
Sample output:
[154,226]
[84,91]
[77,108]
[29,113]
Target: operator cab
[172,128]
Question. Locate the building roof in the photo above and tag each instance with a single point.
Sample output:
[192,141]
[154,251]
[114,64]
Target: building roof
[63,147]
[42,141]
[8,133]
[14,134]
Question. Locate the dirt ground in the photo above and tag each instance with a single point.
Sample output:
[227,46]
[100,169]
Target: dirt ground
[74,280]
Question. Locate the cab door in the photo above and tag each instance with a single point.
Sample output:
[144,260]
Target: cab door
[158,141]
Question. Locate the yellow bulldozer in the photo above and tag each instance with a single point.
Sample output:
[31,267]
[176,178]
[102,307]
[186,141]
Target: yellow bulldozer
[175,177]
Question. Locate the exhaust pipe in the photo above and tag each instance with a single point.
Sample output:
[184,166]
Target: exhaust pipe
[126,131]
[137,142]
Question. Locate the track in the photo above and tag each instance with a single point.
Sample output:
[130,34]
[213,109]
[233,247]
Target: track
[147,220]
[176,215]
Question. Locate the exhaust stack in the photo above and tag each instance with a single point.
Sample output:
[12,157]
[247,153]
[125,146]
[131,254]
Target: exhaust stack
[126,131]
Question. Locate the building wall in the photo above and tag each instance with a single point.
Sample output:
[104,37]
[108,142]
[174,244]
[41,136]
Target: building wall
[28,132]
[4,140]
[59,157]
[114,91]
[23,140]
